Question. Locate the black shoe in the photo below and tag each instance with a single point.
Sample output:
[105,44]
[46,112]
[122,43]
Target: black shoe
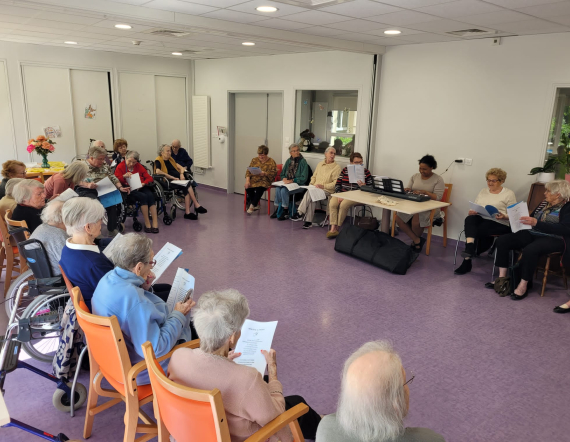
[559,309]
[274,214]
[517,297]
[469,251]
[464,268]
[418,247]
[192,216]
[201,209]
[490,285]
[284,216]
[296,217]
[307,225]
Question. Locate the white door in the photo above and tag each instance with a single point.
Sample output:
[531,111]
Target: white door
[171,114]
[258,120]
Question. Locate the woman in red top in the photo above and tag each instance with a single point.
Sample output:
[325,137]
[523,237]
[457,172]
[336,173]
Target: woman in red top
[144,195]
[72,176]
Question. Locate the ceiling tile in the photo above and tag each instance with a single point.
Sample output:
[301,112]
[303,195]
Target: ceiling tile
[131,2]
[563,20]
[282,8]
[513,4]
[430,38]
[492,18]
[547,11]
[70,18]
[360,9]
[23,39]
[316,18]
[21,12]
[412,4]
[217,3]
[535,24]
[14,19]
[49,24]
[403,18]
[385,41]
[179,6]
[459,8]
[322,31]
[110,24]
[277,23]
[240,17]
[357,25]
[354,36]
[442,25]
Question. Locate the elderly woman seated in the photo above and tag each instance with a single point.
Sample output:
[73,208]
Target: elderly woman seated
[255,185]
[143,316]
[166,166]
[11,169]
[8,202]
[482,229]
[119,151]
[325,177]
[338,207]
[144,196]
[82,260]
[249,402]
[52,233]
[549,233]
[98,170]
[295,170]
[73,175]
[30,197]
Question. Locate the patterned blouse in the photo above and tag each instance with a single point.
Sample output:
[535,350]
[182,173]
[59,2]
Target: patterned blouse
[269,167]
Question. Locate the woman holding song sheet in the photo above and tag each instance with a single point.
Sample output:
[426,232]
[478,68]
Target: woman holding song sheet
[143,195]
[258,177]
[295,171]
[487,217]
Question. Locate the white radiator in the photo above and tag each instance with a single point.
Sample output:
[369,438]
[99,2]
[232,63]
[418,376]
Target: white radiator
[201,130]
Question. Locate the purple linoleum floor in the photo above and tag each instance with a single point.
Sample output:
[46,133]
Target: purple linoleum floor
[487,368]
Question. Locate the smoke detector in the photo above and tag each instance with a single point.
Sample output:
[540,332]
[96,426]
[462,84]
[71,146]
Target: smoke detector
[169,33]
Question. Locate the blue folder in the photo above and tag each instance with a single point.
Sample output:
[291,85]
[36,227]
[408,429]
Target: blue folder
[111,199]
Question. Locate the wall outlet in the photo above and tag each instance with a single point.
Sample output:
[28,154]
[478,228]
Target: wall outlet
[469,161]
[496,41]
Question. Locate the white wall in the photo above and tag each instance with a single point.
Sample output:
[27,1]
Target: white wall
[286,73]
[15,53]
[469,99]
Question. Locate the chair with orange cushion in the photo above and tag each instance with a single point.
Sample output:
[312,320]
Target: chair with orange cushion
[192,415]
[109,359]
[268,190]
[9,251]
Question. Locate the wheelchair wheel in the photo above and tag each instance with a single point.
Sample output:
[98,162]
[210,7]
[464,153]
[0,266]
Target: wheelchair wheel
[179,201]
[173,213]
[137,227]
[20,283]
[45,334]
[62,402]
[167,220]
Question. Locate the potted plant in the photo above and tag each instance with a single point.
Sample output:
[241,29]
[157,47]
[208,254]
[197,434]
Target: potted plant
[546,172]
[42,146]
[564,157]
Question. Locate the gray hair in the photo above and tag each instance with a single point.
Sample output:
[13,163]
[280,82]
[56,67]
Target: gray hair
[177,142]
[96,151]
[24,190]
[218,315]
[561,187]
[52,212]
[78,212]
[292,146]
[76,172]
[130,249]
[10,185]
[132,154]
[372,405]
[330,148]
[161,148]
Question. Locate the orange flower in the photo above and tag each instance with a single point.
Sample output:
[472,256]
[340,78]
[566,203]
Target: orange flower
[41,138]
[46,145]
[31,141]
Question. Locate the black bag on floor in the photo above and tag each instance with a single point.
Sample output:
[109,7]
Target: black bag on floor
[377,248]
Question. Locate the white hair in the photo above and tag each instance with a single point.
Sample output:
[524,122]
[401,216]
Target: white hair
[177,142]
[130,249]
[372,405]
[132,154]
[292,146]
[96,151]
[24,190]
[218,315]
[80,211]
[162,146]
[76,172]
[10,185]
[561,187]
[52,212]
[330,148]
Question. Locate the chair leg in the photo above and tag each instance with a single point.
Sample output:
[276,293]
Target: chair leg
[9,271]
[546,267]
[91,401]
[456,247]
[131,419]
[445,230]
[428,243]
[564,277]
[269,200]
[394,215]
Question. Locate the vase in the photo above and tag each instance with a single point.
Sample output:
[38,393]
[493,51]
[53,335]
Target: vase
[45,163]
[545,177]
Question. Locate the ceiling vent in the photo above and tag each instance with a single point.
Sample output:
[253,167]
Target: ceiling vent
[466,33]
[168,33]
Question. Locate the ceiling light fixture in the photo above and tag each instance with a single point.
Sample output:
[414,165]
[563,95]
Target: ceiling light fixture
[177,53]
[248,43]
[266,8]
[123,26]
[392,32]
[70,42]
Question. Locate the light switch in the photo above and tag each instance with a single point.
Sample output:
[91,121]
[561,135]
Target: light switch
[287,139]
[469,161]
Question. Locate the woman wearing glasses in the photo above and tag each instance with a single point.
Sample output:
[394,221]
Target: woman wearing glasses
[482,229]
[11,169]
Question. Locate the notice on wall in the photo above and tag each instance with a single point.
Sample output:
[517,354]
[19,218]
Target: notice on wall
[52,132]
[90,111]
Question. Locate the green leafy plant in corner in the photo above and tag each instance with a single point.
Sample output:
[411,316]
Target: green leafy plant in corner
[549,166]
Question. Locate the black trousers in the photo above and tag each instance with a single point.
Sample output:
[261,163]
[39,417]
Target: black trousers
[533,247]
[254,194]
[143,196]
[308,422]
[112,211]
[478,227]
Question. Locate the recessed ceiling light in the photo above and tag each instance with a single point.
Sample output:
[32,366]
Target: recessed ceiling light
[266,8]
[123,26]
[177,53]
[392,32]
[248,43]
[70,42]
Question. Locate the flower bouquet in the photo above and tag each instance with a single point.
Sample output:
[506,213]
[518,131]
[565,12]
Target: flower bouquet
[42,146]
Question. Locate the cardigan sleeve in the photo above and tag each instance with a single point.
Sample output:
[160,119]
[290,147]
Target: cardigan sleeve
[302,173]
[561,228]
[368,180]
[439,188]
[59,185]
[120,171]
[143,173]
[330,185]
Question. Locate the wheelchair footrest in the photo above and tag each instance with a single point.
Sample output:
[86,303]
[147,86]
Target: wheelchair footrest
[12,354]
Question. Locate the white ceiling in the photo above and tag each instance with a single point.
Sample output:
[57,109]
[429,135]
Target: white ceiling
[218,27]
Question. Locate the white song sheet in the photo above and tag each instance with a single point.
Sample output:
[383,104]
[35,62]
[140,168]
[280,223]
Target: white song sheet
[356,173]
[180,182]
[105,186]
[254,170]
[292,186]
[515,212]
[164,258]
[67,195]
[134,181]
[109,249]
[315,193]
[255,336]
[182,288]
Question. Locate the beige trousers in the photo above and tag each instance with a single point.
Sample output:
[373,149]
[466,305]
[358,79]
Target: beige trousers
[308,207]
[338,211]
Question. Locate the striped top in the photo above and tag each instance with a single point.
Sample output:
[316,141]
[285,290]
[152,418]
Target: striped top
[343,184]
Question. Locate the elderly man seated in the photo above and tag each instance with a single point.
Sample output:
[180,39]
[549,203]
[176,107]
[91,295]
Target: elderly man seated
[374,400]
[30,197]
[180,155]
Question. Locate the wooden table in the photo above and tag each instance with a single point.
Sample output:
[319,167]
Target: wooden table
[404,206]
[38,172]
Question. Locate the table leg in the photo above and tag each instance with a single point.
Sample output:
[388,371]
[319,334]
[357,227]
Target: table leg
[428,244]
[385,223]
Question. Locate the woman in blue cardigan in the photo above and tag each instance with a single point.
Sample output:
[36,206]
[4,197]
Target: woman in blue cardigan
[295,170]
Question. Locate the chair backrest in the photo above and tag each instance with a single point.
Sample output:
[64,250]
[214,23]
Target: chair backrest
[279,170]
[69,285]
[33,251]
[105,341]
[12,224]
[447,193]
[189,415]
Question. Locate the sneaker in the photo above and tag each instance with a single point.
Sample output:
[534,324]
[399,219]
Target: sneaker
[296,217]
[256,207]
[284,216]
[191,216]
[250,209]
[307,225]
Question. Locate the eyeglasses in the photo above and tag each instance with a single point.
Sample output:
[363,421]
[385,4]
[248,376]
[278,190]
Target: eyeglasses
[152,263]
[409,381]
[493,181]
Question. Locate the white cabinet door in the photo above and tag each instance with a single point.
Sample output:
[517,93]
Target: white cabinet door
[171,110]
[7,148]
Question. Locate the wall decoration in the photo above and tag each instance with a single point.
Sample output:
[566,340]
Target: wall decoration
[52,132]
[90,111]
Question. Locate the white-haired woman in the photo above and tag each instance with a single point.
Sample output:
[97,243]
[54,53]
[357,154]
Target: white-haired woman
[295,170]
[8,202]
[166,166]
[324,177]
[250,403]
[549,233]
[374,400]
[52,233]
[73,175]
[81,259]
[143,316]
[30,197]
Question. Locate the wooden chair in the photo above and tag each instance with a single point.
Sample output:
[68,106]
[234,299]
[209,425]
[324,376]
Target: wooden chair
[268,190]
[109,359]
[9,251]
[445,198]
[546,270]
[191,415]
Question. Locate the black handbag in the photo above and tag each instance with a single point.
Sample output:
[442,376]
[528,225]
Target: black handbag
[366,222]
